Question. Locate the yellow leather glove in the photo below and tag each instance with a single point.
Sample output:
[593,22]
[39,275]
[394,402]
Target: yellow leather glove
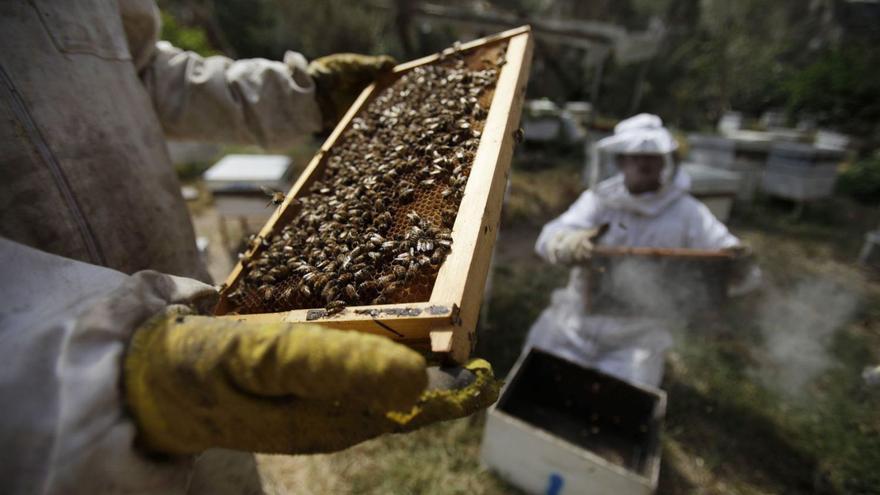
[196,382]
[340,78]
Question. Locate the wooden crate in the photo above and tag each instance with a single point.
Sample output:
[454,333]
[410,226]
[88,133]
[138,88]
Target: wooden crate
[445,323]
[565,429]
[659,282]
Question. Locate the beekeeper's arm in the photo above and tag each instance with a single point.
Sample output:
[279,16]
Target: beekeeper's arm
[252,101]
[111,381]
[705,231]
[570,237]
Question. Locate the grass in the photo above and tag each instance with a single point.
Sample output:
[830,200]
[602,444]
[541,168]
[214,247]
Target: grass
[735,423]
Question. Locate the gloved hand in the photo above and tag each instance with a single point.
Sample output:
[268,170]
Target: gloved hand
[745,275]
[572,246]
[340,78]
[195,382]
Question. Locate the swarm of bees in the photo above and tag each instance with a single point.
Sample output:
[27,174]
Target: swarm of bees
[376,225]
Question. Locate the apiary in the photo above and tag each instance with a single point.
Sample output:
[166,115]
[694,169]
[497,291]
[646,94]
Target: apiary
[562,428]
[657,282]
[390,228]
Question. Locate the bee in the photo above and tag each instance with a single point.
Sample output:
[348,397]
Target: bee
[447,217]
[392,287]
[320,281]
[437,257]
[236,297]
[334,307]
[350,291]
[425,245]
[406,195]
[266,292]
[413,217]
[329,292]
[275,197]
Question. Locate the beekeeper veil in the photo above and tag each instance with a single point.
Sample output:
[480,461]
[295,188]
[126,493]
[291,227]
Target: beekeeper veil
[643,133]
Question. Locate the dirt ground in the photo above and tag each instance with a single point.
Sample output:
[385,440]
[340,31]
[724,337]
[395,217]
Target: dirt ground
[765,398]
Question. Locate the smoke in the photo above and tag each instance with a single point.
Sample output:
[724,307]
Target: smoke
[797,326]
[663,288]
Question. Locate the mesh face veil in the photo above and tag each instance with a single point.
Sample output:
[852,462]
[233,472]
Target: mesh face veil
[641,134]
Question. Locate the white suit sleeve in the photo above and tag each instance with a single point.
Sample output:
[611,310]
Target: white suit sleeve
[582,214]
[254,101]
[705,231]
[63,333]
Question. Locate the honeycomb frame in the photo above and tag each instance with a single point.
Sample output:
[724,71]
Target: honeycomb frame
[444,322]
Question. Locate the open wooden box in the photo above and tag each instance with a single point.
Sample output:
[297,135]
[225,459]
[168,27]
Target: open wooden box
[661,282]
[445,323]
[559,427]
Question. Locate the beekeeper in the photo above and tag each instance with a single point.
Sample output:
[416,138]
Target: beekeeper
[646,204]
[111,381]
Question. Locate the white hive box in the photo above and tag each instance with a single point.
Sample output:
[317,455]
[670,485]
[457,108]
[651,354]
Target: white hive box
[541,121]
[564,429]
[236,182]
[715,187]
[801,172]
[743,152]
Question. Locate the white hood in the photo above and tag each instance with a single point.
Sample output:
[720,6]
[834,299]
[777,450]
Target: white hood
[643,133]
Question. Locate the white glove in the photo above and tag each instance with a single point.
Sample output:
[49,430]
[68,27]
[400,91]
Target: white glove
[571,246]
[746,275]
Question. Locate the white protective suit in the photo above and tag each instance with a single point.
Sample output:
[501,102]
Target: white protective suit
[64,326]
[87,96]
[631,348]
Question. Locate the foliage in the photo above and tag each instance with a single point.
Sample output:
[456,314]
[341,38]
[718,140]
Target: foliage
[861,180]
[267,28]
[839,88]
[186,37]
[748,55]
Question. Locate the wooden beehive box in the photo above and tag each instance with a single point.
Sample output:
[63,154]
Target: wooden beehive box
[445,322]
[562,428]
[660,282]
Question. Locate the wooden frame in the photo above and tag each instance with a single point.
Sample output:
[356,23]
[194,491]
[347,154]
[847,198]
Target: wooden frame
[445,324]
[717,263]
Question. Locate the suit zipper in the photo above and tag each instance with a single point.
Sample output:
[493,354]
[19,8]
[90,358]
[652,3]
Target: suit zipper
[51,163]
